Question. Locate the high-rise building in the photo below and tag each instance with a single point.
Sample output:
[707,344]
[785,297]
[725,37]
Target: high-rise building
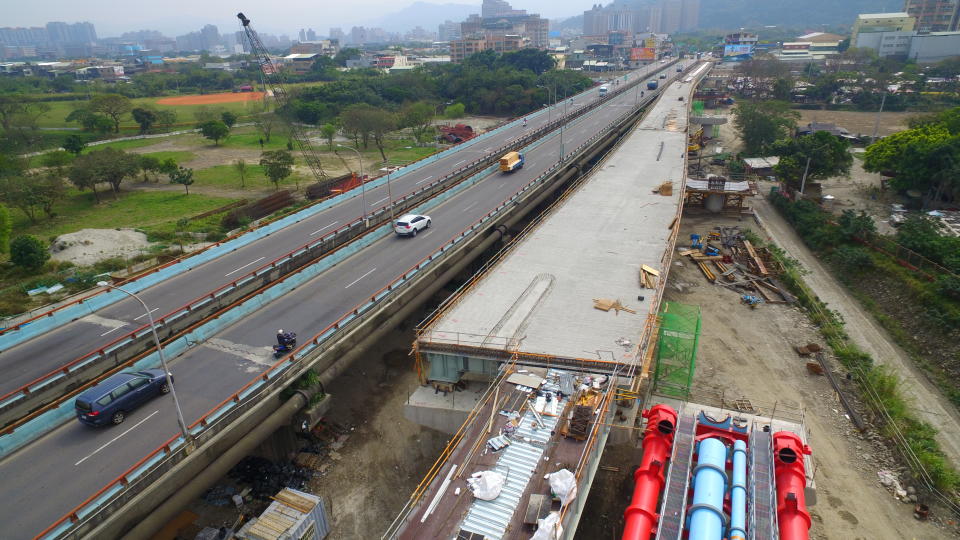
[311,35]
[934,15]
[302,35]
[506,21]
[499,8]
[448,30]
[678,15]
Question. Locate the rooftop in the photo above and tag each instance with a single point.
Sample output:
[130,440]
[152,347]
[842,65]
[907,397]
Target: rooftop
[899,15]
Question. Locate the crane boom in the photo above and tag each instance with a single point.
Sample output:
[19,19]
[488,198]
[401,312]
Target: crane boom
[272,77]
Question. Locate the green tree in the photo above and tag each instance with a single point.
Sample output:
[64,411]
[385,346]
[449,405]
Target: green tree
[91,121]
[57,160]
[28,252]
[535,60]
[6,226]
[145,117]
[182,176]
[419,118]
[19,118]
[228,118]
[240,166]
[277,165]
[457,110]
[108,165]
[760,123]
[782,88]
[32,194]
[820,154]
[926,159]
[74,144]
[166,117]
[328,131]
[214,130]
[854,225]
[347,53]
[147,164]
[114,106]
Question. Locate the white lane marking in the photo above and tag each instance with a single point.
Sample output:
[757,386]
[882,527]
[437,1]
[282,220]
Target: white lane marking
[324,228]
[424,180]
[532,164]
[108,331]
[378,202]
[354,282]
[459,162]
[469,207]
[485,150]
[144,315]
[244,266]
[113,440]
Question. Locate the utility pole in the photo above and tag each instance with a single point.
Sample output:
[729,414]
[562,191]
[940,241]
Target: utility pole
[876,123]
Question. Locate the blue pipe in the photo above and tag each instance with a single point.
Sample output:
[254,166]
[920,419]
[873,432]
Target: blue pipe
[709,487]
[738,492]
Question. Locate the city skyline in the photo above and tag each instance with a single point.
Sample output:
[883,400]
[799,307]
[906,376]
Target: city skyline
[220,13]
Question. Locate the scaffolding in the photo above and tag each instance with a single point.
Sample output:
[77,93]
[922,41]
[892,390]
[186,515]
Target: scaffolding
[676,349]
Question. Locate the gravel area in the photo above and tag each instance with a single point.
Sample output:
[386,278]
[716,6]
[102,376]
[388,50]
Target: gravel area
[87,246]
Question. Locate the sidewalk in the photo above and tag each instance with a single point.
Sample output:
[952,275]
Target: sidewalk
[929,405]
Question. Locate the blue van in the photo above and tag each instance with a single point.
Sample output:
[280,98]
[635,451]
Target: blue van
[110,401]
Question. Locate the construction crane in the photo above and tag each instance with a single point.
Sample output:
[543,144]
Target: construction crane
[272,78]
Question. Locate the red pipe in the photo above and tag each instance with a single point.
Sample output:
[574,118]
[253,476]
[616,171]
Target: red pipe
[792,515]
[641,516]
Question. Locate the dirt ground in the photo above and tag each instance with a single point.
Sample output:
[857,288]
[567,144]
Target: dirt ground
[861,123]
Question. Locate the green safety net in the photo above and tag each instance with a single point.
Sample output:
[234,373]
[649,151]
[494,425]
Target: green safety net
[676,349]
[698,108]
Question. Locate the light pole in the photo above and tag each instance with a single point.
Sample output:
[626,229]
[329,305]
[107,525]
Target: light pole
[363,190]
[163,361]
[550,109]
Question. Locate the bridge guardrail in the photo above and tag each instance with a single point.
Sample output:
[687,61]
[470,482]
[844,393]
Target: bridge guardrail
[122,489]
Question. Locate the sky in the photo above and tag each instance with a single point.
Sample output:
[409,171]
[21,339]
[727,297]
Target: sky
[173,17]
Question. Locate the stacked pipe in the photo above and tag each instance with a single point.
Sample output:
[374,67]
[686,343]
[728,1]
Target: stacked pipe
[709,487]
[738,493]
[641,516]
[791,480]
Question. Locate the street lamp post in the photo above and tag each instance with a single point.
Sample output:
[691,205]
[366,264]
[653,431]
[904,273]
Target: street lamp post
[163,361]
[363,190]
[554,100]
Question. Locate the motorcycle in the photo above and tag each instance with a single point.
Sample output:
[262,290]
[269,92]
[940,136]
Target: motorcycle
[285,343]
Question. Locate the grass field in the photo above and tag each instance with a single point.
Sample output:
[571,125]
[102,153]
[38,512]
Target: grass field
[140,209]
[180,156]
[59,110]
[226,176]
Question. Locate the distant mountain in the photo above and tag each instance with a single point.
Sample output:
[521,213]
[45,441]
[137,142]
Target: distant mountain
[425,15]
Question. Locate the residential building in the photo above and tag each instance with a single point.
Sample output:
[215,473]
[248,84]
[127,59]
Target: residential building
[462,48]
[934,15]
[448,31]
[882,22]
[337,34]
[506,21]
[327,47]
[300,63]
[677,15]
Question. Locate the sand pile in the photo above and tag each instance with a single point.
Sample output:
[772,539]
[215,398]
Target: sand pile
[87,246]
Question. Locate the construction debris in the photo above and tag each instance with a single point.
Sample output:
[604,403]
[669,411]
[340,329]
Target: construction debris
[606,304]
[740,266]
[648,277]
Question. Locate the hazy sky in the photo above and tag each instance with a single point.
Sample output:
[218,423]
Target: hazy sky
[112,17]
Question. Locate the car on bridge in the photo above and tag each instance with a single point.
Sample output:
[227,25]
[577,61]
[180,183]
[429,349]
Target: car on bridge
[411,224]
[111,400]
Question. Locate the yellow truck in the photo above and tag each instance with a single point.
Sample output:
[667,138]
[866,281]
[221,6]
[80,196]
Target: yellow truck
[511,161]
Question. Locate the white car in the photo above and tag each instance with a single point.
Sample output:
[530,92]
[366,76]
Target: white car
[411,224]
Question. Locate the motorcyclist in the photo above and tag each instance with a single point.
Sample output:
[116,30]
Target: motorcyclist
[524,122]
[285,339]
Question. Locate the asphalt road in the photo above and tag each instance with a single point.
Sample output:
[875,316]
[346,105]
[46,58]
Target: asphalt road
[55,473]
[26,362]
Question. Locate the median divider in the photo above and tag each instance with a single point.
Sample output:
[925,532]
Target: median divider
[115,494]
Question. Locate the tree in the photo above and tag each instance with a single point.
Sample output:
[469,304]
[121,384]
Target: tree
[854,225]
[182,176]
[382,122]
[167,117]
[782,89]
[241,167]
[19,118]
[534,60]
[214,130]
[108,165]
[457,110]
[74,144]
[32,194]
[28,252]
[762,122]
[92,122]
[58,160]
[355,120]
[146,118]
[826,155]
[228,118]
[277,165]
[419,118]
[148,163]
[6,226]
[926,159]
[206,114]
[114,106]
[328,131]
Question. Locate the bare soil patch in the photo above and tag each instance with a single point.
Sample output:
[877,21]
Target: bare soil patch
[859,122]
[212,99]
[87,246]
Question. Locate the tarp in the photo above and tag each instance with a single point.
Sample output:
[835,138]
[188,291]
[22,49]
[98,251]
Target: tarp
[563,484]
